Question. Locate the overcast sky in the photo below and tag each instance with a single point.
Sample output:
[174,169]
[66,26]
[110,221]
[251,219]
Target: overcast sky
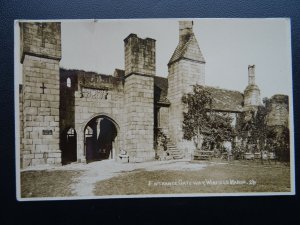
[228,46]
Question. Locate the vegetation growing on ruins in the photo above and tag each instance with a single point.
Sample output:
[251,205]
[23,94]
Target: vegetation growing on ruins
[209,129]
[203,125]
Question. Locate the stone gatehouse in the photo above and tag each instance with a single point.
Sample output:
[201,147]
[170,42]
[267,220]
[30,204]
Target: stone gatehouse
[75,115]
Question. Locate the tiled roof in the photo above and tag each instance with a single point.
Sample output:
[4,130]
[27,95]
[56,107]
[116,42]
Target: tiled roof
[181,51]
[226,100]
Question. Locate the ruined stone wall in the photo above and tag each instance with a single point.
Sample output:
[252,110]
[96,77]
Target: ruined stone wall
[67,101]
[139,55]
[90,103]
[279,114]
[40,55]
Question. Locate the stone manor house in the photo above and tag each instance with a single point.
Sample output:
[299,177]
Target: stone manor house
[74,115]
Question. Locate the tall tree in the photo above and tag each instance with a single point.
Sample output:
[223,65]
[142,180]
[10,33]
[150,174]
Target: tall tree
[202,124]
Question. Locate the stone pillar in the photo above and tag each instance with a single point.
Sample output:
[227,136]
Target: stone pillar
[81,156]
[40,56]
[139,98]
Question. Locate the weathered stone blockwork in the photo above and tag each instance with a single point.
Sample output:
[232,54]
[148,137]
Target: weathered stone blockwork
[252,92]
[139,97]
[140,117]
[40,57]
[279,111]
[139,55]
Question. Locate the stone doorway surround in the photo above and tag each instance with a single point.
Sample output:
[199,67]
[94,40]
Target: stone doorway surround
[87,132]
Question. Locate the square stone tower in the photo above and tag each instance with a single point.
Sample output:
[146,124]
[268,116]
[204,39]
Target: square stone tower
[40,55]
[139,97]
[186,68]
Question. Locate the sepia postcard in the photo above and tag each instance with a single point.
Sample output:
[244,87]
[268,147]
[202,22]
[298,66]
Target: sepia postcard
[153,108]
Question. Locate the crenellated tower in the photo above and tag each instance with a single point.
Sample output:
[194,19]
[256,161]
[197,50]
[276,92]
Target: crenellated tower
[139,98]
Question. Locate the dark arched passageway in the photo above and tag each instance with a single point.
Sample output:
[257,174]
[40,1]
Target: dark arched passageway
[99,137]
[69,146]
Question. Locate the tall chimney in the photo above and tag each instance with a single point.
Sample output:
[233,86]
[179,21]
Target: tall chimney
[251,74]
[185,30]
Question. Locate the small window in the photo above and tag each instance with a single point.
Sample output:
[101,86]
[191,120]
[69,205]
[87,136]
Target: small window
[88,131]
[68,82]
[71,131]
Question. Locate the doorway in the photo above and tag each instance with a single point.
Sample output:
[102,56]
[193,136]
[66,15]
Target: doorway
[99,139]
[69,146]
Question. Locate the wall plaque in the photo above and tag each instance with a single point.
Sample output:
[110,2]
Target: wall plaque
[47,132]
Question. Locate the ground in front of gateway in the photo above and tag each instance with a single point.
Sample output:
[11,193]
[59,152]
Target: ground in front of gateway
[111,178]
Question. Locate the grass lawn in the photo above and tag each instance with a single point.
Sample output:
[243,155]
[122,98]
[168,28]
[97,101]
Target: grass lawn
[216,178]
[47,183]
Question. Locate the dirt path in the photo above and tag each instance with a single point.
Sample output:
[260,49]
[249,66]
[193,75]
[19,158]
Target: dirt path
[102,170]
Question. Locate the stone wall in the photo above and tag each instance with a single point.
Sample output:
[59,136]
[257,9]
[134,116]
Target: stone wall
[164,120]
[21,124]
[251,97]
[139,55]
[89,105]
[40,55]
[41,39]
[182,76]
[139,97]
[279,114]
[139,103]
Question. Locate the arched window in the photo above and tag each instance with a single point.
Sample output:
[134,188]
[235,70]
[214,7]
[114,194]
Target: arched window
[89,131]
[68,82]
[71,131]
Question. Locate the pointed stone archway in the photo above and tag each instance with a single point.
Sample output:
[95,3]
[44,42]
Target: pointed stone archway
[100,139]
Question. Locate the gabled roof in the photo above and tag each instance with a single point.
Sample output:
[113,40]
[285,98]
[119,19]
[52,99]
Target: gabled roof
[226,100]
[187,50]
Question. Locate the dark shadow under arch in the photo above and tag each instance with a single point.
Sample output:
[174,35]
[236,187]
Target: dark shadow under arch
[69,146]
[99,138]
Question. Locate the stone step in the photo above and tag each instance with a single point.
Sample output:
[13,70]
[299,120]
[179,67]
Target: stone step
[174,152]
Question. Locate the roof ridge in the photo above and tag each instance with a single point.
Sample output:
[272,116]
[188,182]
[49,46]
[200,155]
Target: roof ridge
[225,89]
[180,50]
